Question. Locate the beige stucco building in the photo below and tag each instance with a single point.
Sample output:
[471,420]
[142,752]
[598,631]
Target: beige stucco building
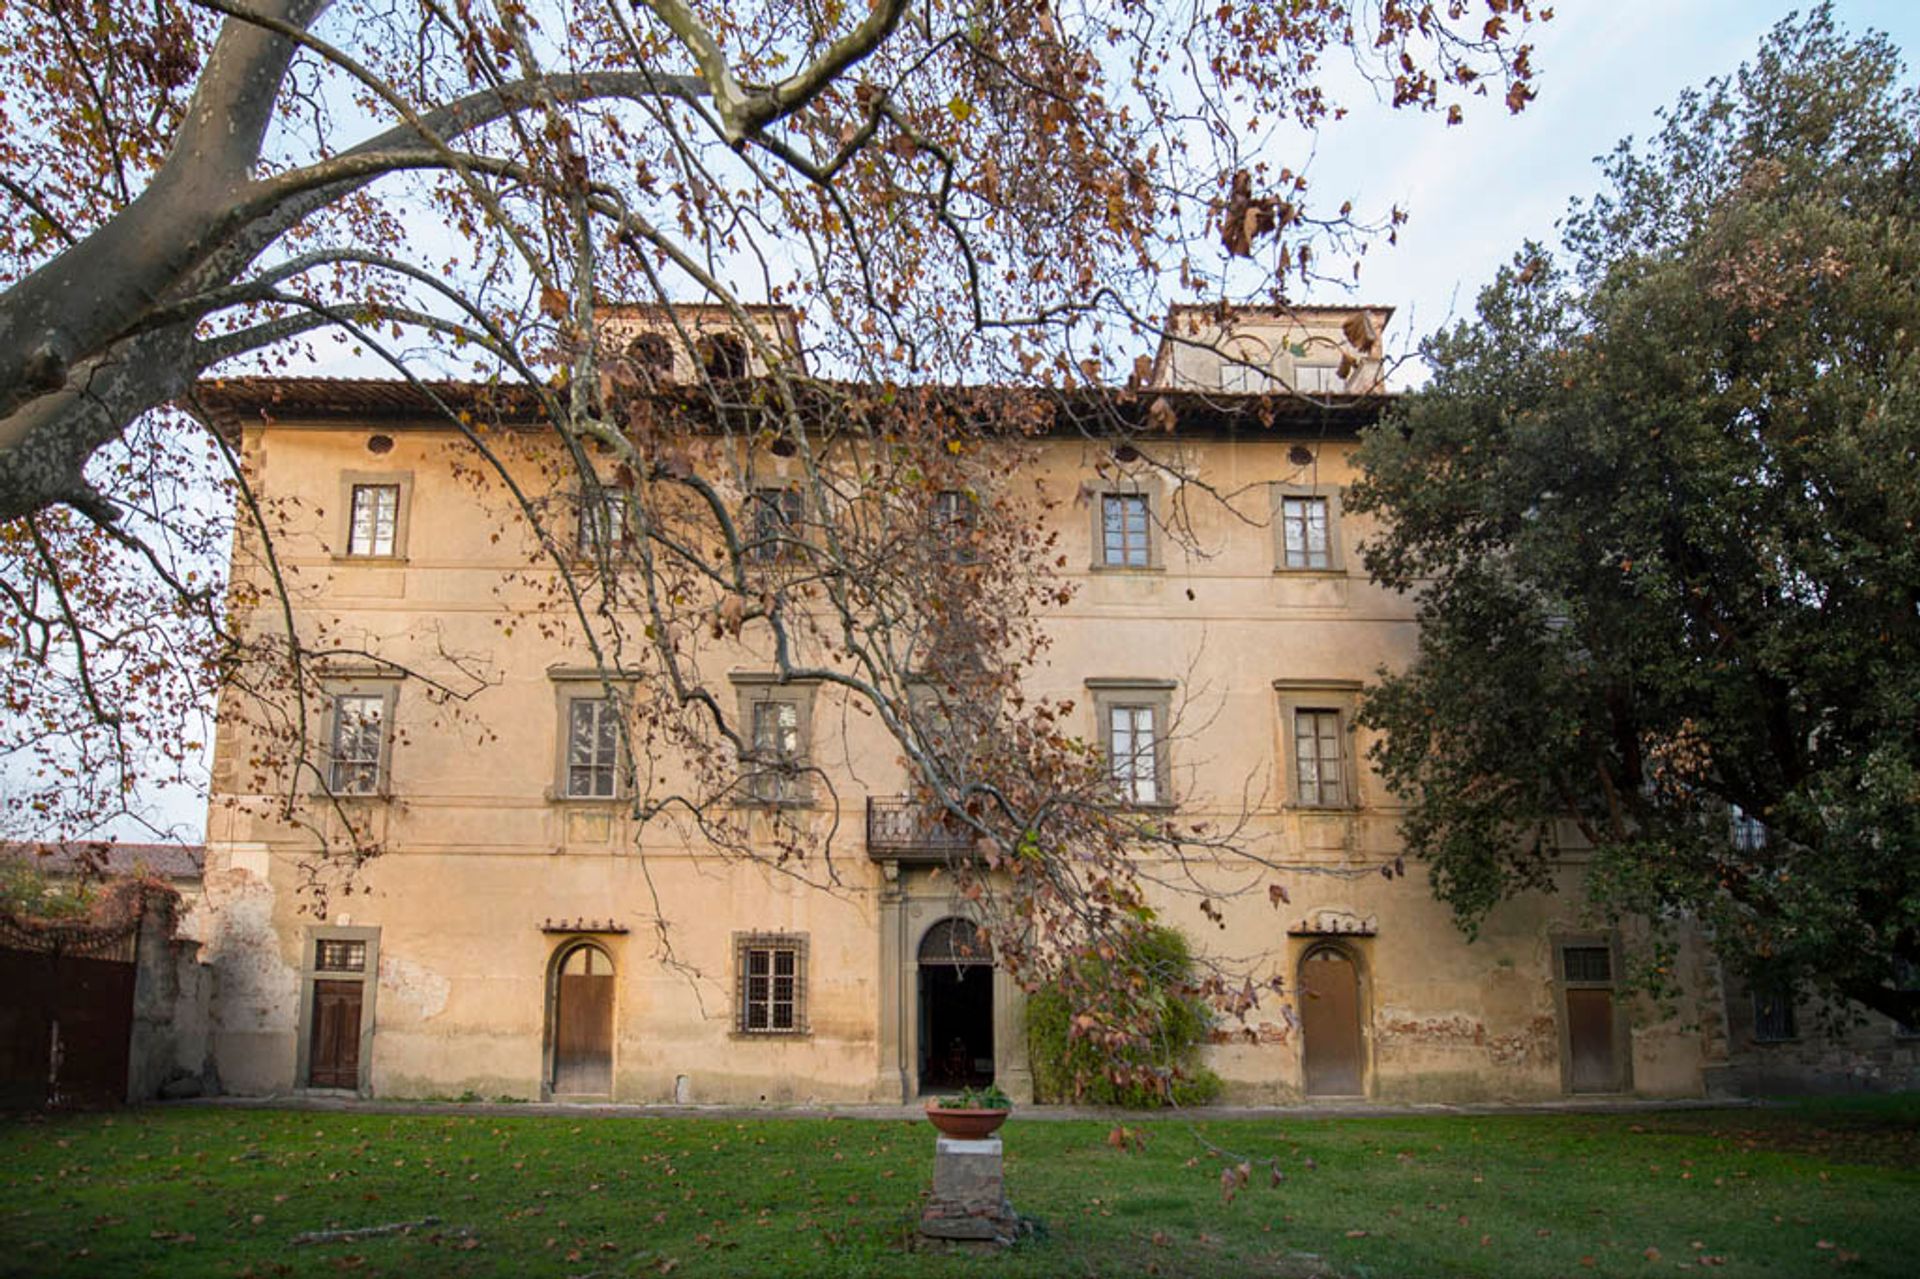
[520,938]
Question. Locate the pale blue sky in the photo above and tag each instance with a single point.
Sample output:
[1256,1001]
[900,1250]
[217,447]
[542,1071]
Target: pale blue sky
[1476,191]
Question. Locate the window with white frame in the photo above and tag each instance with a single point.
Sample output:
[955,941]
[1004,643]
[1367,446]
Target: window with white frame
[374,523]
[357,743]
[770,977]
[593,747]
[1126,530]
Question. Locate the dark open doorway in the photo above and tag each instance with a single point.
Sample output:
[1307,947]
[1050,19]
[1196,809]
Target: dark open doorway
[956,1008]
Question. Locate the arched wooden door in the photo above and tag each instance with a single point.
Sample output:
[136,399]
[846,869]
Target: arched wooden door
[956,1006]
[1332,1050]
[583,1023]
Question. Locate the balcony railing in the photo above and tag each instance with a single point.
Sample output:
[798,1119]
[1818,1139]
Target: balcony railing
[898,829]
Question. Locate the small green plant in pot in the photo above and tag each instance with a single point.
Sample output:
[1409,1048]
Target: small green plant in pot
[971,1114]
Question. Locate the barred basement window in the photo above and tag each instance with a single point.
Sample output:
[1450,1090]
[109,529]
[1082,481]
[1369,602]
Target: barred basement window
[770,976]
[1773,1015]
[1586,963]
[333,956]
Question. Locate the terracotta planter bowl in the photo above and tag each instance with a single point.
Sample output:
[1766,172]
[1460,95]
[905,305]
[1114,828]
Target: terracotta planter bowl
[965,1125]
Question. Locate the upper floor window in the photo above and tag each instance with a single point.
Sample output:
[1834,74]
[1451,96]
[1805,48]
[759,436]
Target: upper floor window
[593,747]
[1319,758]
[375,523]
[1304,532]
[1133,739]
[1134,717]
[955,517]
[603,520]
[358,745]
[1316,742]
[1126,530]
[776,517]
[777,720]
[1306,521]
[1318,379]
[375,503]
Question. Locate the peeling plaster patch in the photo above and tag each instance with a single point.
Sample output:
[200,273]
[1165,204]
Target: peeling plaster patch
[419,988]
[1536,1045]
[255,988]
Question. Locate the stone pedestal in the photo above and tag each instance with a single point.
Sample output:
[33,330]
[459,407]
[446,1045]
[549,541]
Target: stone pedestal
[969,1203]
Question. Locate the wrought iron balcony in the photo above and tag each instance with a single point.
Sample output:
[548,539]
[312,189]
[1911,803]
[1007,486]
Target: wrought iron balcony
[898,829]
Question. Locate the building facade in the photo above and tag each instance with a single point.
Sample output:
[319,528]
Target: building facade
[519,937]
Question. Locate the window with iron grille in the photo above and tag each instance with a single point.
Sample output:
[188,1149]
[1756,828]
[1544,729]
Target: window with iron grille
[1773,1015]
[1906,976]
[593,747]
[770,971]
[1126,530]
[375,519]
[1586,964]
[1304,533]
[776,752]
[335,956]
[358,740]
[1133,752]
[1319,766]
[776,524]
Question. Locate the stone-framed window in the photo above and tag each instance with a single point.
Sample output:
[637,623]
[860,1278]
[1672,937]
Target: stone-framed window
[360,738]
[776,726]
[590,763]
[601,521]
[770,983]
[593,748]
[375,507]
[955,517]
[775,525]
[1317,753]
[1126,530]
[1306,529]
[1135,719]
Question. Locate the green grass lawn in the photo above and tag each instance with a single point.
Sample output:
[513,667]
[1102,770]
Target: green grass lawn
[1805,1190]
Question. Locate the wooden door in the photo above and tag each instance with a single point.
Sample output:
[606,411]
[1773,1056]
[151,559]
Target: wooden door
[1331,1047]
[1595,1066]
[333,1059]
[583,1024]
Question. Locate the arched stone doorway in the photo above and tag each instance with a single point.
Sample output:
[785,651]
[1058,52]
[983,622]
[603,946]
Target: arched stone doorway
[580,1024]
[956,1006]
[1332,1047]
